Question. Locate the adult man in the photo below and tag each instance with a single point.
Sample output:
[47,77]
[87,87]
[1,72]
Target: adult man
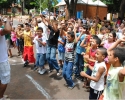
[4,64]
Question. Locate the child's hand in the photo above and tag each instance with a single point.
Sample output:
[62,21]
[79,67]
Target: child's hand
[83,74]
[86,65]
[83,53]
[122,39]
[86,57]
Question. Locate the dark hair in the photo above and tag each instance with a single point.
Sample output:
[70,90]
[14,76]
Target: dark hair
[98,41]
[94,36]
[21,25]
[40,28]
[27,24]
[71,34]
[114,34]
[103,28]
[120,53]
[103,51]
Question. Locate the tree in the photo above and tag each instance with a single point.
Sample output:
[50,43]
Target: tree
[71,6]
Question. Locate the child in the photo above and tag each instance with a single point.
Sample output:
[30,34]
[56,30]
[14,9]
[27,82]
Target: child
[115,84]
[13,37]
[107,44]
[98,74]
[40,42]
[90,57]
[69,59]
[102,32]
[79,58]
[61,48]
[28,53]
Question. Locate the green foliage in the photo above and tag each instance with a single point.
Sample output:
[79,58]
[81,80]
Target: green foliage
[3,1]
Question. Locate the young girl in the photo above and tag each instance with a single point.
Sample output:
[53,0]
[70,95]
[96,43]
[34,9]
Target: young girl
[107,44]
[69,60]
[13,37]
[115,84]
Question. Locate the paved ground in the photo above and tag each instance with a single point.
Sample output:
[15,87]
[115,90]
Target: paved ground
[28,84]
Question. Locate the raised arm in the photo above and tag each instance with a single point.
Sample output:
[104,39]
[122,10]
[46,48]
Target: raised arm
[7,28]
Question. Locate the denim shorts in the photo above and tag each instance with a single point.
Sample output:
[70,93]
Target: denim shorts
[40,59]
[5,72]
[88,72]
[61,55]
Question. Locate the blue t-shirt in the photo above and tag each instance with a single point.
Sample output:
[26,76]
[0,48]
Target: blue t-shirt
[61,47]
[80,49]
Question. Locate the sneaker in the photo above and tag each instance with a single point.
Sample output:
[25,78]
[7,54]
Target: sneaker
[42,71]
[26,63]
[66,85]
[35,68]
[50,71]
[71,87]
[58,73]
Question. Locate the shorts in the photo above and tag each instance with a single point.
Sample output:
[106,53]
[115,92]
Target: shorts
[5,72]
[28,54]
[61,55]
[9,44]
[94,94]
[40,59]
[88,72]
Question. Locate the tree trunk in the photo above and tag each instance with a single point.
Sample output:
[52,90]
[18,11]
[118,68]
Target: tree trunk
[122,9]
[71,6]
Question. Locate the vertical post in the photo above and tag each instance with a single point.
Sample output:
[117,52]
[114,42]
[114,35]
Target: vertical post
[86,7]
[97,9]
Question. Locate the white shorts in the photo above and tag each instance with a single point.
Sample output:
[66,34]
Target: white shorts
[5,72]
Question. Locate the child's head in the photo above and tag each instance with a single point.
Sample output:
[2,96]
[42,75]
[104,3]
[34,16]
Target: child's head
[69,29]
[82,28]
[39,31]
[108,30]
[102,30]
[27,26]
[117,55]
[111,37]
[101,54]
[70,36]
[95,42]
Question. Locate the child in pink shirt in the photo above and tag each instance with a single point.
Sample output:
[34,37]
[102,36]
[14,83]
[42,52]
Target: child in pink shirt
[13,36]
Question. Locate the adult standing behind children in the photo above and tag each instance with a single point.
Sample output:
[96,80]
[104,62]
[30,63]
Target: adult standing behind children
[4,64]
[52,44]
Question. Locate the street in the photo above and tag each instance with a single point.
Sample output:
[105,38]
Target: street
[28,84]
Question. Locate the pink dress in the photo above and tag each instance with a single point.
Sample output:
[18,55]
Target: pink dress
[13,36]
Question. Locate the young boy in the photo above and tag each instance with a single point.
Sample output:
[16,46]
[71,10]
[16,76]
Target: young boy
[79,58]
[28,53]
[98,74]
[69,60]
[90,56]
[40,42]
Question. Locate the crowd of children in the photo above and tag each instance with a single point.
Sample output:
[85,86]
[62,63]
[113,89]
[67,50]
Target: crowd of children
[91,50]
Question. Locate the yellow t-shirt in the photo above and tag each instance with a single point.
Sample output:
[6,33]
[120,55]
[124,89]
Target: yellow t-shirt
[35,28]
[27,39]
[93,31]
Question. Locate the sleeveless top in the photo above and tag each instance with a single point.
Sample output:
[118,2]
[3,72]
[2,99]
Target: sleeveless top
[27,39]
[114,89]
[99,86]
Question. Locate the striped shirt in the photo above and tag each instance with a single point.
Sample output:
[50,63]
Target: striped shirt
[69,52]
